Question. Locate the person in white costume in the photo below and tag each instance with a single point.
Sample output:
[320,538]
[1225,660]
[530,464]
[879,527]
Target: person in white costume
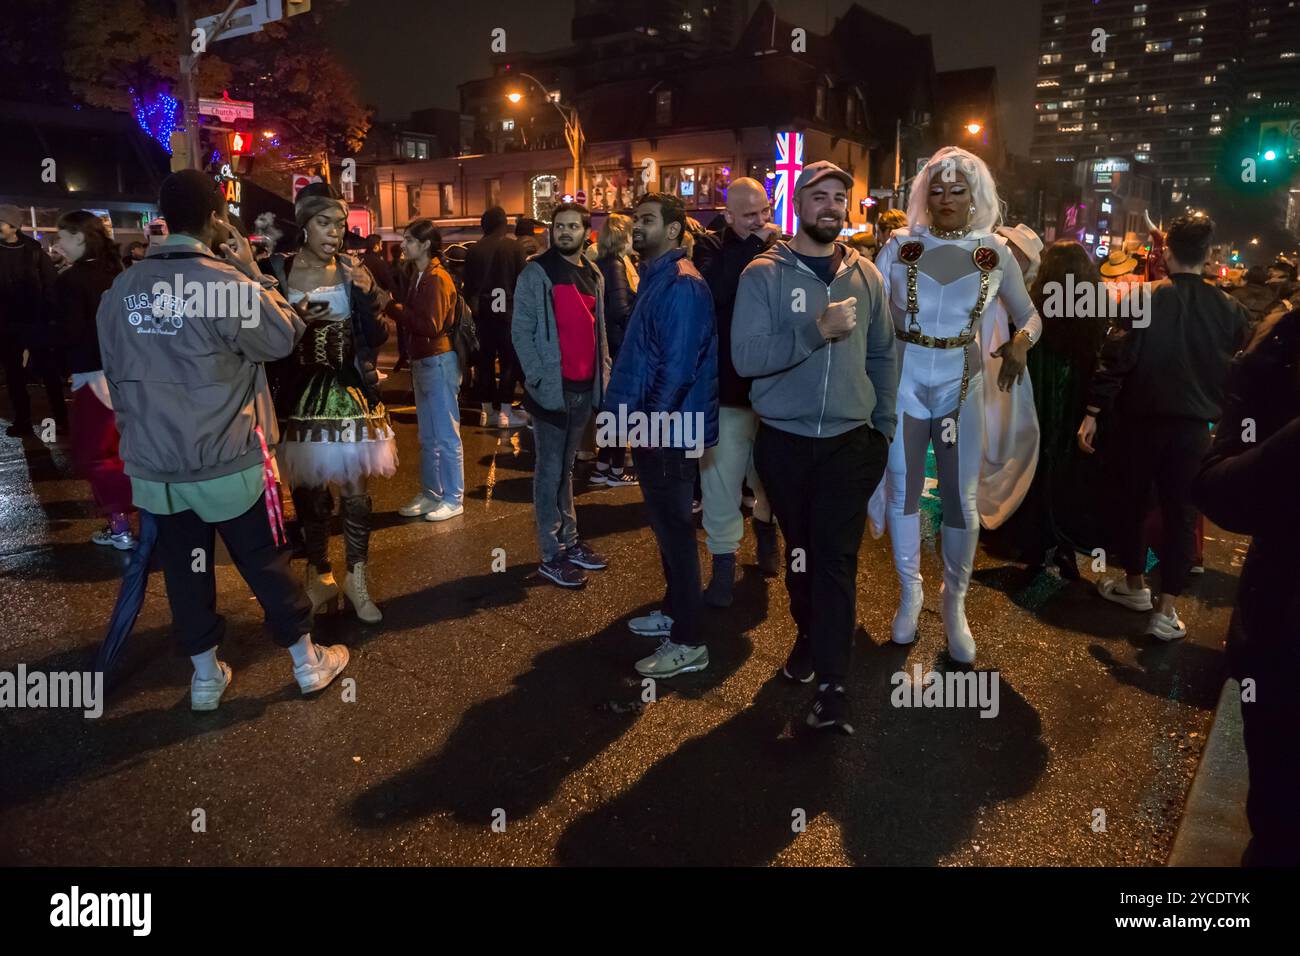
[943,276]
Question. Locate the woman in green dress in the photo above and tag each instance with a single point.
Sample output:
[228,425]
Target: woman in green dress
[334,427]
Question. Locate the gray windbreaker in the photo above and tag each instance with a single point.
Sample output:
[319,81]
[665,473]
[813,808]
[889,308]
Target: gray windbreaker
[804,384]
[185,372]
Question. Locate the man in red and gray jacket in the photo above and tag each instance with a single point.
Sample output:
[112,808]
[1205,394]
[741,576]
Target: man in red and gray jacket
[183,335]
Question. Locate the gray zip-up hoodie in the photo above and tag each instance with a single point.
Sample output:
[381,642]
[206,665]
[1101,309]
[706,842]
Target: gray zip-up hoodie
[184,366]
[804,384]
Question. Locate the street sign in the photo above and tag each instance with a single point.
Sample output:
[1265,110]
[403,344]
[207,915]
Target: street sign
[226,109]
[580,197]
[302,181]
[248,20]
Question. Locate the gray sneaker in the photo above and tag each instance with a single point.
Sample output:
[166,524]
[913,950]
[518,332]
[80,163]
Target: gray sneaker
[657,624]
[421,504]
[206,694]
[671,659]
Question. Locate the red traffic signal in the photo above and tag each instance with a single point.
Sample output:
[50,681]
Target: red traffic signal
[241,143]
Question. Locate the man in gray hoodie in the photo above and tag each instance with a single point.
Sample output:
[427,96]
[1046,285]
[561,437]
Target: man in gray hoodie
[812,330]
[183,335]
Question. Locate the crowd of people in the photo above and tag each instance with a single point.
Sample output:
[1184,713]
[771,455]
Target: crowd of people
[823,374]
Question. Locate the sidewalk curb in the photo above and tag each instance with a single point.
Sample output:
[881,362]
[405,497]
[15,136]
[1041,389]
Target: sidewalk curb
[1213,830]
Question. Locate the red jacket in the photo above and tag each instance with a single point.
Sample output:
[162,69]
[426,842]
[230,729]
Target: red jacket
[427,311]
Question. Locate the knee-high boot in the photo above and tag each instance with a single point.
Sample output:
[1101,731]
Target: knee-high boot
[958,561]
[905,540]
[356,540]
[314,506]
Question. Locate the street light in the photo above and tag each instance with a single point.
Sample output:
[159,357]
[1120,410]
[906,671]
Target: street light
[973,128]
[573,134]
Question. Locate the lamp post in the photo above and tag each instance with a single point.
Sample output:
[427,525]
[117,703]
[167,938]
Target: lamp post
[573,134]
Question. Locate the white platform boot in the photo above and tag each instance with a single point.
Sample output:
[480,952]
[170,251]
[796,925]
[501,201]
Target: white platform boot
[905,539]
[354,588]
[958,546]
[322,590]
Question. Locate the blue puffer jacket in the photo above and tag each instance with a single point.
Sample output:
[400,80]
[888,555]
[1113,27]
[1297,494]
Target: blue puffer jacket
[669,358]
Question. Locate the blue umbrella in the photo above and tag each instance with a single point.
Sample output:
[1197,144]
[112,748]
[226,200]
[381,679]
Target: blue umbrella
[130,596]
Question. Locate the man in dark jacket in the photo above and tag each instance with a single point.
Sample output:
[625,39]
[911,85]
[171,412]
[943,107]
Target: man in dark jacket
[492,268]
[1256,447]
[1158,385]
[721,258]
[666,374]
[26,301]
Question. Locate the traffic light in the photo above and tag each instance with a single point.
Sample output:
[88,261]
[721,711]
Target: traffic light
[241,143]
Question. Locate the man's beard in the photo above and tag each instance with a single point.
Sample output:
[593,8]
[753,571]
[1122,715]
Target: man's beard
[823,234]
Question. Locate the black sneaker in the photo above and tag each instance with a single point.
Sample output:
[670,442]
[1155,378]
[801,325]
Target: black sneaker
[799,665]
[582,555]
[563,572]
[830,709]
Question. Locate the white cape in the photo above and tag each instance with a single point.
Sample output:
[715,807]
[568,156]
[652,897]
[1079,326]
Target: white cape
[1010,436]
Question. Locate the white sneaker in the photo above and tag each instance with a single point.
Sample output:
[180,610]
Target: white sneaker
[671,659]
[206,694]
[1166,627]
[421,504]
[444,511]
[1116,589]
[330,661]
[121,540]
[657,624]
[503,419]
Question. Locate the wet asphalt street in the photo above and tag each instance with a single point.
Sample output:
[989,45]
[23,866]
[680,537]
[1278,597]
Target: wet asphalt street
[496,697]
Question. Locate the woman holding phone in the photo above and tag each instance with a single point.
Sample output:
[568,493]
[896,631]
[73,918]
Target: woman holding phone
[334,427]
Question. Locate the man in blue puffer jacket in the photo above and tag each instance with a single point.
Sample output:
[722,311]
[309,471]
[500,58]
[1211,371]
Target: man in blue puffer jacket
[663,400]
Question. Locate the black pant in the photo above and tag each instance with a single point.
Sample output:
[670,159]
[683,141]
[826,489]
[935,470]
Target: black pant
[819,488]
[192,586]
[667,482]
[1164,453]
[1273,759]
[11,353]
[495,346]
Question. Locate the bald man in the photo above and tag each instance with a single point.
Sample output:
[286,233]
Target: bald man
[720,259]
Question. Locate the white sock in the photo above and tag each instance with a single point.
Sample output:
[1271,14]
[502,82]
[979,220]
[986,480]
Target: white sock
[304,651]
[205,665]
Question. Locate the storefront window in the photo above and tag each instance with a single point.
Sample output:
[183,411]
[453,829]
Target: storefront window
[609,190]
[697,186]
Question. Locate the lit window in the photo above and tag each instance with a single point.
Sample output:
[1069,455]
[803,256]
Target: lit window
[1158,46]
[1138,21]
[1288,55]
[1140,8]
[1207,80]
[1048,58]
[1216,130]
[1080,67]
[1186,57]
[508,124]
[1195,41]
[1142,157]
[1058,20]
[1253,95]
[1046,83]
[1144,146]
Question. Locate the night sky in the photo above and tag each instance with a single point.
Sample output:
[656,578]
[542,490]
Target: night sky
[410,54]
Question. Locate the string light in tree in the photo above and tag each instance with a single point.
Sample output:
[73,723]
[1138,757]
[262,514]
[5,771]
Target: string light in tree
[156,115]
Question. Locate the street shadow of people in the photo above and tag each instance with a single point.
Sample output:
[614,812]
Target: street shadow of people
[1188,673]
[513,752]
[904,790]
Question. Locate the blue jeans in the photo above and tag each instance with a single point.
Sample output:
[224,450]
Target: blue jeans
[436,381]
[555,448]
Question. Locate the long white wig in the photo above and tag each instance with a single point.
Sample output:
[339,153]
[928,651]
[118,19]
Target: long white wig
[983,190]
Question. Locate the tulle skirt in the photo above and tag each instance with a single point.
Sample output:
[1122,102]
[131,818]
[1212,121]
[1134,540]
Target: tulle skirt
[335,434]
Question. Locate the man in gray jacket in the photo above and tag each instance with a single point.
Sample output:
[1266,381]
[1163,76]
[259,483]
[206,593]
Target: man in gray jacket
[558,331]
[183,336]
[812,330]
